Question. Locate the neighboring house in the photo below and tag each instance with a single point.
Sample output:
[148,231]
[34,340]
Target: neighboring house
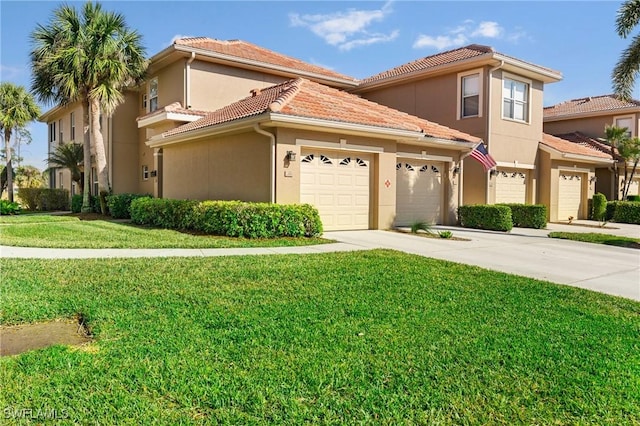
[584,120]
[363,165]
[567,176]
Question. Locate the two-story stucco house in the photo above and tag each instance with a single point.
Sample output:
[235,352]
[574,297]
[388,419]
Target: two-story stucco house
[231,120]
[499,99]
[583,121]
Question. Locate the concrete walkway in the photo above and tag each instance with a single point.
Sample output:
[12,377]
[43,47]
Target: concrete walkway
[527,252]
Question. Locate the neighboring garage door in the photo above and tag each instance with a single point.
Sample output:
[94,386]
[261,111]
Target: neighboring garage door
[338,185]
[419,192]
[634,187]
[569,195]
[511,186]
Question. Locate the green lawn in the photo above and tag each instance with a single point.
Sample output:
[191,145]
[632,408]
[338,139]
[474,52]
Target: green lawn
[70,232]
[593,237]
[376,337]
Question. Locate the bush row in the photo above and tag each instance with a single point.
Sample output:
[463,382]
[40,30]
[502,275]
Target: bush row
[76,204]
[486,216]
[623,211]
[44,199]
[528,215]
[229,218]
[119,205]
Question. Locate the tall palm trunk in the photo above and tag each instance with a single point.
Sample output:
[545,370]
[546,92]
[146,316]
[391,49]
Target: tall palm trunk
[101,158]
[86,145]
[7,144]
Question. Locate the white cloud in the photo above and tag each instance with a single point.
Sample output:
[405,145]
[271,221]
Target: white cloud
[10,73]
[467,31]
[348,29]
[487,29]
[439,42]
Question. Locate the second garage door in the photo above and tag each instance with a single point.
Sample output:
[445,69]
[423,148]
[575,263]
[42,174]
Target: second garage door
[511,186]
[569,195]
[419,192]
[337,184]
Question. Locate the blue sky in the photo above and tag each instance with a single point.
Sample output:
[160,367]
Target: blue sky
[357,38]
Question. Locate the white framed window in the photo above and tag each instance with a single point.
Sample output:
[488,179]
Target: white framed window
[60,138]
[145,172]
[94,174]
[144,101]
[60,180]
[515,99]
[153,94]
[470,87]
[625,122]
[52,132]
[73,188]
[72,128]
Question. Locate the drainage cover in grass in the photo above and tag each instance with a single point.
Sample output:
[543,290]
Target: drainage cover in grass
[26,337]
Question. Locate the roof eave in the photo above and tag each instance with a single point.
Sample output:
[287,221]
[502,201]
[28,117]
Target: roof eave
[543,74]
[612,112]
[559,155]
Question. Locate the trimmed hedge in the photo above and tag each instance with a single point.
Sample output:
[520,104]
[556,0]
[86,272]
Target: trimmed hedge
[624,211]
[44,199]
[76,204]
[633,197]
[229,218]
[528,215]
[483,216]
[598,206]
[120,204]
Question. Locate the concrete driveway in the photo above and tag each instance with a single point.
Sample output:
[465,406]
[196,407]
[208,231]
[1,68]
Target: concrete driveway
[527,252]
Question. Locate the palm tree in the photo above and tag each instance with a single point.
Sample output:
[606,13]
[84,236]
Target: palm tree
[69,156]
[17,108]
[87,57]
[615,136]
[626,70]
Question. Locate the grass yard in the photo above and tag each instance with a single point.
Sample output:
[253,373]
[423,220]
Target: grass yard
[63,231]
[342,338]
[592,237]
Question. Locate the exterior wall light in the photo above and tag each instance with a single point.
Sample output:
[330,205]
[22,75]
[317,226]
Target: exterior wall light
[493,172]
[456,170]
[593,179]
[291,156]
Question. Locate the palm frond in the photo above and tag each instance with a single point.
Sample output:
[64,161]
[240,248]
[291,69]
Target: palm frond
[628,17]
[626,70]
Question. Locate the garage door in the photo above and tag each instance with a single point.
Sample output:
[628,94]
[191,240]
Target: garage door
[511,186]
[419,192]
[569,195]
[634,187]
[338,185]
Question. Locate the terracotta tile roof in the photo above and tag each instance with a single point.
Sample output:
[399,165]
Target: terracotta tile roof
[589,105]
[576,145]
[304,98]
[245,50]
[438,59]
[444,58]
[175,107]
[593,143]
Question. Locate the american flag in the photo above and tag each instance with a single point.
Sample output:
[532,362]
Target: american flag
[481,155]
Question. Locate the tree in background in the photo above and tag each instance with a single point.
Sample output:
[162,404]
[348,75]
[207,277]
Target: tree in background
[615,136]
[29,177]
[69,156]
[87,57]
[629,150]
[17,109]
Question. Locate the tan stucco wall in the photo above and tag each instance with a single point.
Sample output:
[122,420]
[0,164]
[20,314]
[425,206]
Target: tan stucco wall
[590,126]
[547,193]
[233,167]
[474,183]
[124,154]
[214,86]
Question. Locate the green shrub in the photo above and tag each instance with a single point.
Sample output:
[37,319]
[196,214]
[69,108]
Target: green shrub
[633,197]
[445,234]
[624,211]
[44,199]
[598,206]
[9,208]
[76,204]
[528,215]
[493,217]
[120,204]
[421,226]
[229,218]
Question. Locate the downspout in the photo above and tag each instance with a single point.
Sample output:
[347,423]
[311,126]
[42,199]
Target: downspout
[489,118]
[187,81]
[272,160]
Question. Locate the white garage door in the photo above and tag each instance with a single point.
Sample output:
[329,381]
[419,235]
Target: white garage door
[337,184]
[634,187]
[511,186]
[569,195]
[419,192]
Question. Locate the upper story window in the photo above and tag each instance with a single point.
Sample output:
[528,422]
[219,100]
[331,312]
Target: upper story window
[470,96]
[625,123]
[153,94]
[72,128]
[52,132]
[515,96]
[60,138]
[144,101]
